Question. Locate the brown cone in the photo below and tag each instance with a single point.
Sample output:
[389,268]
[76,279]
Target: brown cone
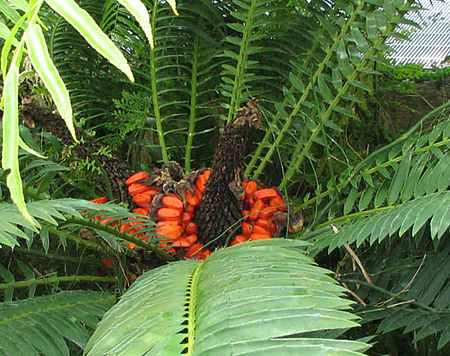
[116,170]
[220,210]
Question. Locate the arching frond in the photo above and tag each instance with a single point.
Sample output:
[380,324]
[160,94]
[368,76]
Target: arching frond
[177,80]
[13,224]
[432,210]
[43,325]
[408,290]
[320,95]
[261,297]
[398,187]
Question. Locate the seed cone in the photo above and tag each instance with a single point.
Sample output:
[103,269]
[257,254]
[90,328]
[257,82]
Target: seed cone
[220,209]
[116,170]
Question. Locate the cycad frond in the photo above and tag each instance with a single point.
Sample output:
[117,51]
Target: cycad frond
[400,190]
[250,298]
[41,325]
[413,167]
[13,224]
[177,80]
[396,181]
[320,95]
[409,289]
[252,23]
[422,323]
[432,208]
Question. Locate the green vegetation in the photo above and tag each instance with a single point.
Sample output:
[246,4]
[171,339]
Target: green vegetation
[413,72]
[375,200]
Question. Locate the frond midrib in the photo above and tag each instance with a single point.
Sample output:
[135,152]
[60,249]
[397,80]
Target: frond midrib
[191,309]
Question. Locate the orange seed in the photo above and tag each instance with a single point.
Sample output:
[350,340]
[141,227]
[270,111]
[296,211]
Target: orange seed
[136,178]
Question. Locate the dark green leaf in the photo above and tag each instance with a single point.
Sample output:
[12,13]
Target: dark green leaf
[371,27]
[381,195]
[399,179]
[348,206]
[366,198]
[359,39]
[323,88]
[296,82]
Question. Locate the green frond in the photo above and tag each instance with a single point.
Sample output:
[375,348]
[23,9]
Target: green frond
[351,59]
[262,297]
[257,55]
[52,212]
[319,94]
[432,210]
[43,325]
[412,166]
[116,229]
[244,32]
[177,81]
[429,288]
[394,207]
[422,323]
[63,218]
[409,290]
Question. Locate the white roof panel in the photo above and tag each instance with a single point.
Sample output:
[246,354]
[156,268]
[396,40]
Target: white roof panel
[429,45]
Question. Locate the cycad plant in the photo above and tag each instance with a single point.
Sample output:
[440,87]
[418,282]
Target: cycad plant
[384,212]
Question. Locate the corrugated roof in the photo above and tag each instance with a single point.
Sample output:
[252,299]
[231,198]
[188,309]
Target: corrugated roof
[429,45]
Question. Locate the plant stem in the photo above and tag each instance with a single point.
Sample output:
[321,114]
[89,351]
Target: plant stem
[48,280]
[158,118]
[193,296]
[193,105]
[163,255]
[354,215]
[90,244]
[393,295]
[444,142]
[54,256]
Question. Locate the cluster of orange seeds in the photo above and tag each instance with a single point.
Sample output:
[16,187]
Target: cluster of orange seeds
[174,217]
[260,206]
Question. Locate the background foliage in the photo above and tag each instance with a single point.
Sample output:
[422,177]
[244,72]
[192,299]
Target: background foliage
[312,66]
